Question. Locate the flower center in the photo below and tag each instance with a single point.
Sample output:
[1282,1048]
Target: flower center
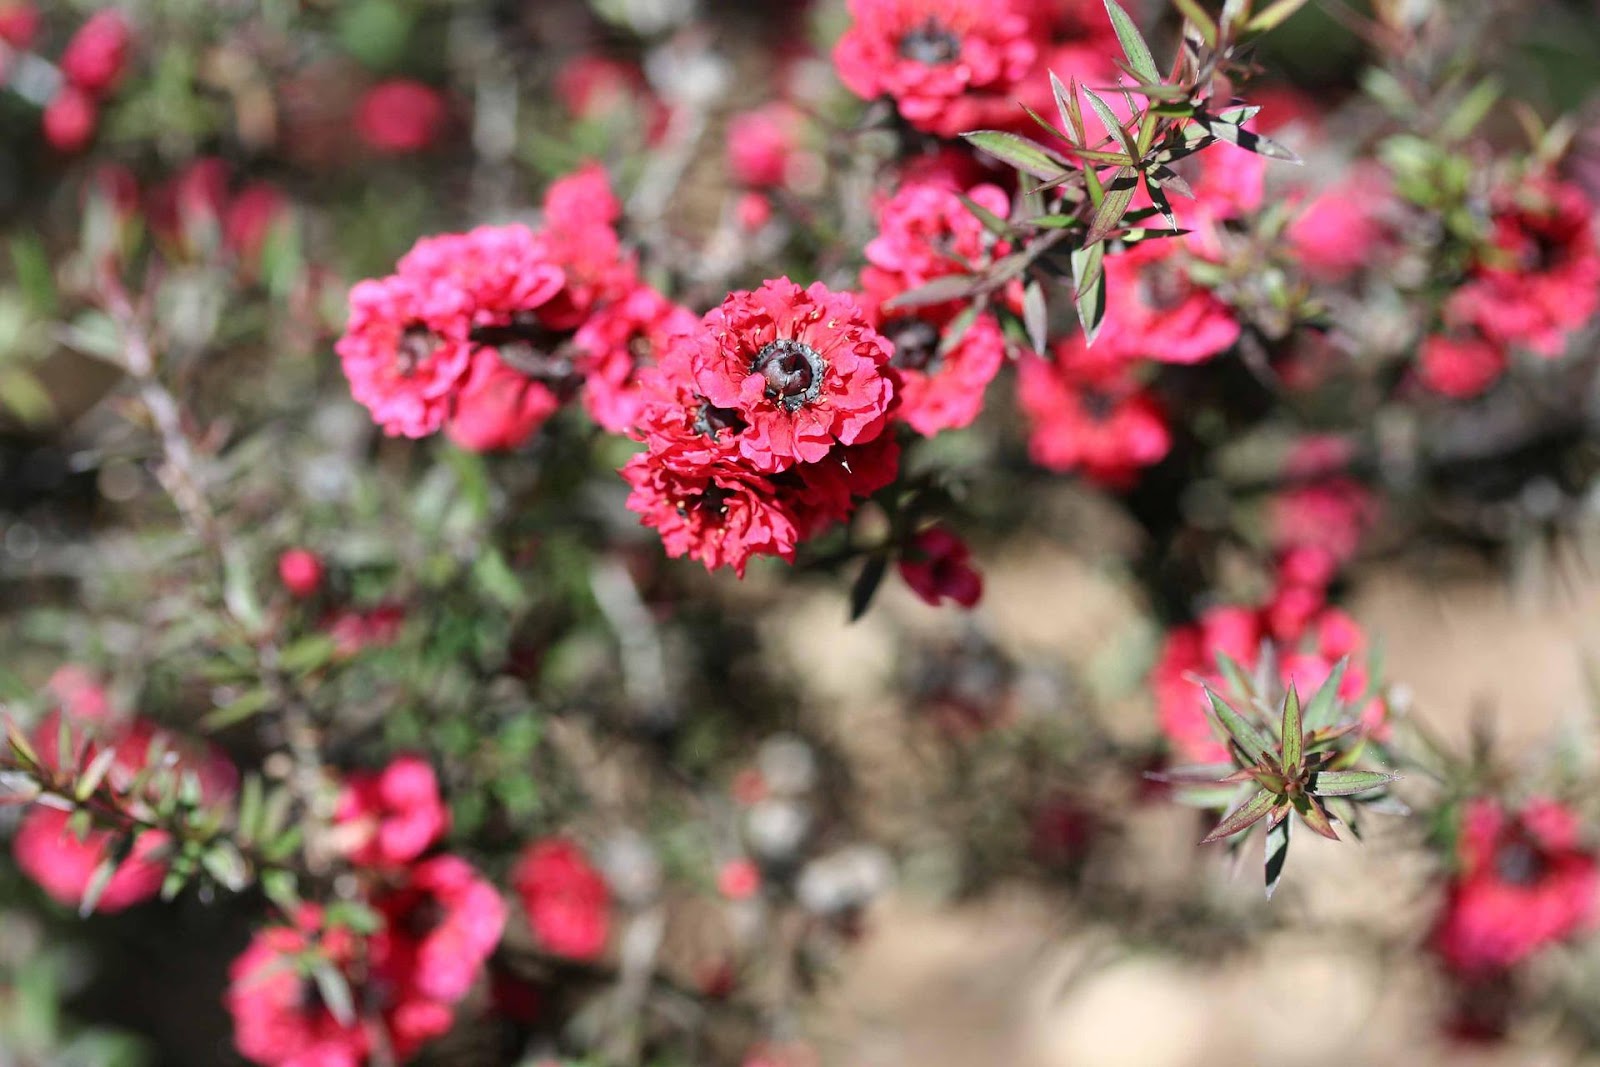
[1518,862]
[931,43]
[529,347]
[1097,404]
[417,343]
[710,420]
[793,372]
[916,344]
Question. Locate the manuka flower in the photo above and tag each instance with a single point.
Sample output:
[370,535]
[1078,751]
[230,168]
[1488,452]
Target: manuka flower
[566,899]
[936,565]
[400,116]
[941,384]
[618,341]
[949,65]
[497,406]
[1305,657]
[410,339]
[96,57]
[440,925]
[1087,411]
[1539,278]
[1154,310]
[925,231]
[279,1016]
[1524,882]
[390,817]
[1459,367]
[721,515]
[801,367]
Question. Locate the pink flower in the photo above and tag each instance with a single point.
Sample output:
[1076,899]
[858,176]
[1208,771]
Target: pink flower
[1539,279]
[97,56]
[949,65]
[400,116]
[739,879]
[69,120]
[249,217]
[353,630]
[925,232]
[279,1017]
[1524,882]
[440,925]
[1341,228]
[1088,412]
[616,343]
[566,899]
[1154,311]
[936,565]
[19,23]
[721,516]
[942,390]
[1459,367]
[764,146]
[393,816]
[497,407]
[801,367]
[63,865]
[300,570]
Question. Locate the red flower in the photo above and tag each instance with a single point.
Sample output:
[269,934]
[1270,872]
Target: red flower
[764,147]
[567,901]
[593,87]
[393,816]
[19,23]
[1154,311]
[400,116]
[69,120]
[279,1016]
[618,341]
[1089,413]
[97,56]
[721,516]
[408,346]
[1460,367]
[1337,232]
[1539,279]
[579,236]
[739,879]
[942,390]
[249,218]
[925,232]
[440,926]
[300,570]
[802,368]
[1306,657]
[936,566]
[949,65]
[354,630]
[1523,883]
[498,407]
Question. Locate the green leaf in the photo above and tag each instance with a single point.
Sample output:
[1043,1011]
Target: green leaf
[1089,288]
[867,583]
[957,331]
[991,222]
[1112,124]
[1251,741]
[1277,854]
[1471,111]
[308,653]
[1017,151]
[1293,735]
[1246,139]
[1067,104]
[1349,783]
[1312,814]
[237,710]
[1035,315]
[335,992]
[22,393]
[94,774]
[35,277]
[496,579]
[938,291]
[1119,194]
[1274,16]
[247,823]
[1243,817]
[1133,46]
[95,889]
[1201,21]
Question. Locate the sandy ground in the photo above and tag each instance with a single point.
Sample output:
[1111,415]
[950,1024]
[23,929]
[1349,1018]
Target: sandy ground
[1010,979]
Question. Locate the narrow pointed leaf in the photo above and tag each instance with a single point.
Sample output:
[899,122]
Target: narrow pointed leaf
[1071,111]
[1277,853]
[1089,288]
[1035,315]
[949,287]
[1349,783]
[958,329]
[867,583]
[1239,684]
[1249,140]
[1198,18]
[1119,194]
[1173,181]
[1021,153]
[335,992]
[1243,817]
[1251,741]
[1133,46]
[1274,16]
[991,222]
[1197,773]
[1293,737]
[1312,814]
[1112,124]
[1158,197]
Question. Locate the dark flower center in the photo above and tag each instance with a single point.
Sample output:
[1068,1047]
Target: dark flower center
[529,347]
[1163,290]
[1097,404]
[793,372]
[424,918]
[417,343]
[710,420]
[916,343]
[712,503]
[1519,862]
[931,43]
